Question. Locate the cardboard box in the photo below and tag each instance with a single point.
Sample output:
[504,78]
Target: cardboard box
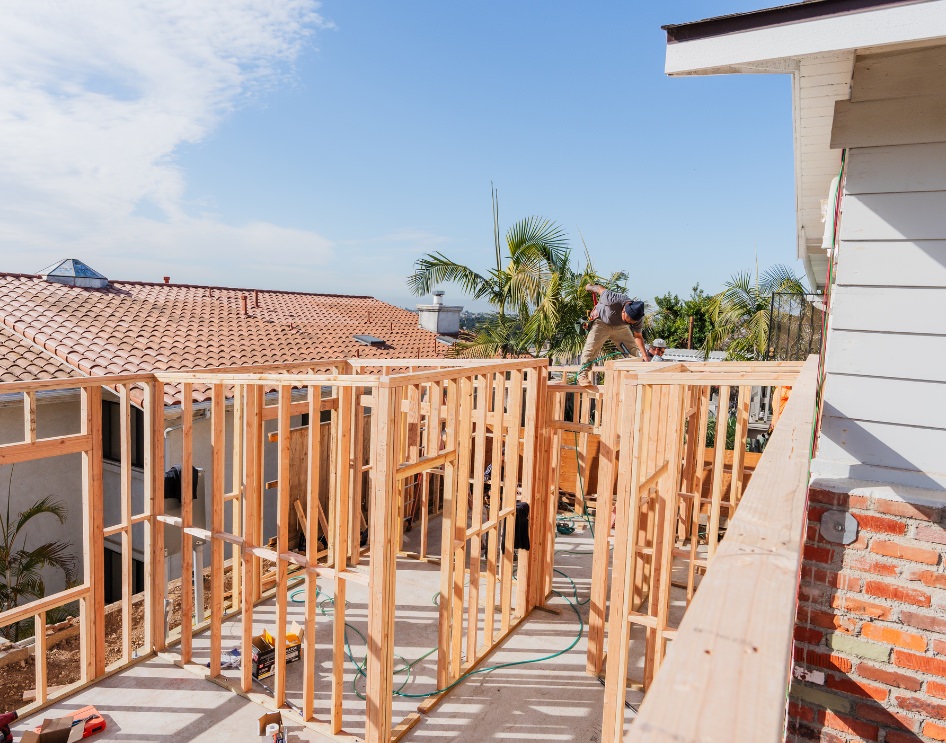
[264,651]
[58,730]
[270,719]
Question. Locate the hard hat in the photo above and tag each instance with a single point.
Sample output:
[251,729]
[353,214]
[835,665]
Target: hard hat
[659,343]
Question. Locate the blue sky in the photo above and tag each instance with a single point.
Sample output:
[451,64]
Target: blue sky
[324,147]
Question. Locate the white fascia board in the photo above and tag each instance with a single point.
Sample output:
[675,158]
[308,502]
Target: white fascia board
[881,27]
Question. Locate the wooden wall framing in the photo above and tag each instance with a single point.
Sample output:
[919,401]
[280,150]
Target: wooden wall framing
[670,497]
[435,423]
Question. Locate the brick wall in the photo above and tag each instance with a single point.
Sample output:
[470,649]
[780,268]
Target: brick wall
[872,619]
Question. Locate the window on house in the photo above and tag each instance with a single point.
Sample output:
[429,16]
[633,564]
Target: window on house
[324,417]
[113,576]
[112,434]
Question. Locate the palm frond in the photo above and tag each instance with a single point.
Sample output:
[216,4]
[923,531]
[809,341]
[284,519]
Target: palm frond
[49,505]
[540,237]
[436,268]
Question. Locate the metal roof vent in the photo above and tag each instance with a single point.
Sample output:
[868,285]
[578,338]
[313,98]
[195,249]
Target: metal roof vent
[370,340]
[74,272]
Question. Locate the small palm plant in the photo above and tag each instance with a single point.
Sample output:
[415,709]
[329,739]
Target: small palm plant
[21,567]
[741,311]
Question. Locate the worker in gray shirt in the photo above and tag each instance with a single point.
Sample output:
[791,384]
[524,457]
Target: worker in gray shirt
[616,318]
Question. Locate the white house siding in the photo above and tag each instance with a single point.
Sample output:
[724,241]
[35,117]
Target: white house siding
[885,394]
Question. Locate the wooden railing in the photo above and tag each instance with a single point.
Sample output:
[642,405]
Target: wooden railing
[389,422]
[726,672]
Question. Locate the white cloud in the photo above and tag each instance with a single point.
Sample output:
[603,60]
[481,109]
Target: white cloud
[96,98]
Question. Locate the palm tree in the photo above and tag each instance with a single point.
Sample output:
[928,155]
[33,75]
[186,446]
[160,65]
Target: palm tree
[540,300]
[21,568]
[740,313]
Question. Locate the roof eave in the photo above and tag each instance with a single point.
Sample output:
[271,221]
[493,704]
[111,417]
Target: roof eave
[765,48]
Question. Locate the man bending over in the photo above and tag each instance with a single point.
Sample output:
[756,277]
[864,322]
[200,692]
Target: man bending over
[616,318]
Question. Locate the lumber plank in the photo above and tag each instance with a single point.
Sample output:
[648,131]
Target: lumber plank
[282,540]
[124,406]
[29,416]
[382,569]
[735,640]
[54,446]
[187,555]
[218,455]
[607,473]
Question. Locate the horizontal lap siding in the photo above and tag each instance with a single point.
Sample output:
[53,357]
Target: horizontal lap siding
[885,394]
[882,452]
[890,355]
[893,263]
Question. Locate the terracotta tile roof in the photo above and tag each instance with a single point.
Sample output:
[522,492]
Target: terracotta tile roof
[135,327]
[21,361]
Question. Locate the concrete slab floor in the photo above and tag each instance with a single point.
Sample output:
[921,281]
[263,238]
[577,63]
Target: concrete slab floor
[158,702]
[550,700]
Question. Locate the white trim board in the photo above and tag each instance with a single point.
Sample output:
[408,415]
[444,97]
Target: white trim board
[870,28]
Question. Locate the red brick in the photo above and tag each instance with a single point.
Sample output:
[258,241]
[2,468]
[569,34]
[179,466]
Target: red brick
[929,578]
[934,731]
[922,706]
[910,511]
[808,635]
[849,725]
[859,543]
[874,712]
[936,689]
[819,554]
[829,621]
[888,677]
[904,552]
[922,663]
[857,605]
[896,593]
[834,579]
[831,661]
[815,512]
[893,636]
[828,497]
[811,593]
[877,567]
[858,501]
[939,646]
[894,736]
[934,534]
[856,687]
[923,621]
[881,524]
[800,711]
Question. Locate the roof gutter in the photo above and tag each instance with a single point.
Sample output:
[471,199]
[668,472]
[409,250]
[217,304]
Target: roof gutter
[768,17]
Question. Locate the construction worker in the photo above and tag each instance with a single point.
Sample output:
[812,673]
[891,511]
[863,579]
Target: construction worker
[616,318]
[657,349]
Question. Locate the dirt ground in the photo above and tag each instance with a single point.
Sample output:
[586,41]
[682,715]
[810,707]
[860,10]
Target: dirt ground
[62,660]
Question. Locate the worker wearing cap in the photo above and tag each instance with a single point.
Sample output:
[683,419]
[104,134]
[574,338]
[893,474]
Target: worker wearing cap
[616,318]
[657,349]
